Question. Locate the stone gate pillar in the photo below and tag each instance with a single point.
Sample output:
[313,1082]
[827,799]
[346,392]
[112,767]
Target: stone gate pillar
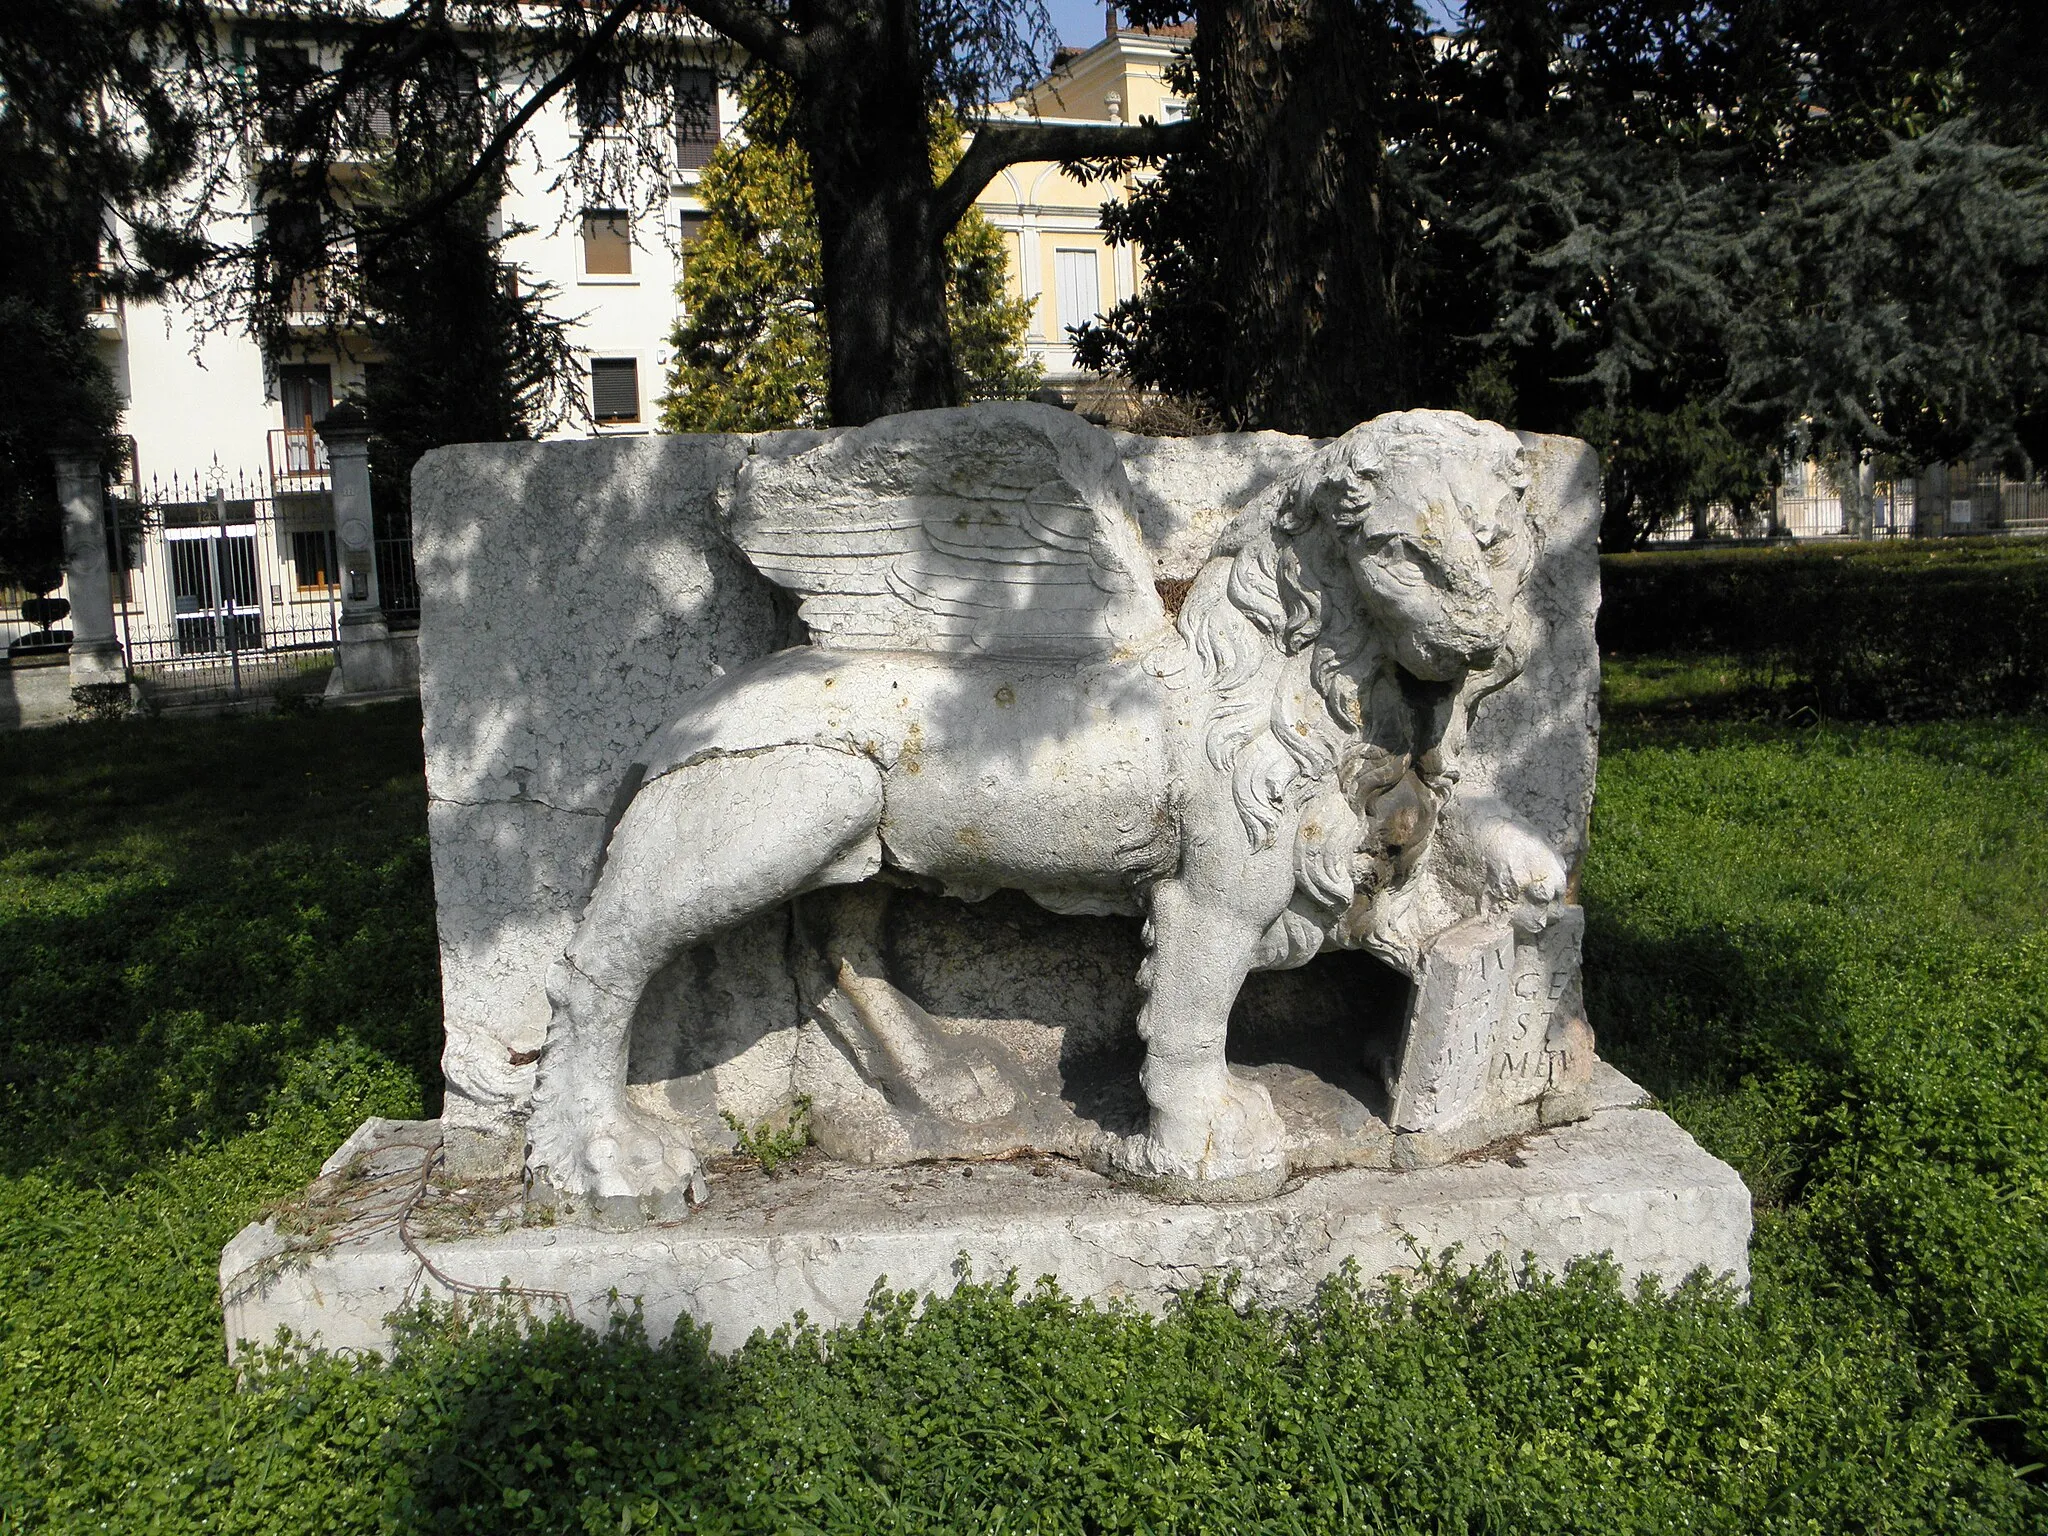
[366,658]
[96,655]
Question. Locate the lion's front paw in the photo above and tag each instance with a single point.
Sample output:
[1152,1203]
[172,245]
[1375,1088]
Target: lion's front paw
[1524,872]
[623,1166]
[1220,1140]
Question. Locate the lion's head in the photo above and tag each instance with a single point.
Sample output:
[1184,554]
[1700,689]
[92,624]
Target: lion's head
[1427,509]
[1402,547]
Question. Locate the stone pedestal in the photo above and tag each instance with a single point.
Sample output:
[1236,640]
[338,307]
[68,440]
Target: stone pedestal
[368,658]
[96,654]
[1628,1183]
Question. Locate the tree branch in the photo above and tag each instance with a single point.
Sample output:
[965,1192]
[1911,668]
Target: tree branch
[1007,141]
[754,30]
[500,145]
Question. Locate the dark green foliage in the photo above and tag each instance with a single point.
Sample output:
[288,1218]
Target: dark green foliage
[1872,633]
[195,912]
[1694,234]
[468,351]
[1468,1404]
[1275,242]
[71,71]
[1824,948]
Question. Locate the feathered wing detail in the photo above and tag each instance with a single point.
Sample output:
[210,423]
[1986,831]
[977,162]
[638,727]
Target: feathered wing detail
[995,530]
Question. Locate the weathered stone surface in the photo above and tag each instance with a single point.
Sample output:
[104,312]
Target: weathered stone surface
[1625,1182]
[698,872]
[1185,490]
[581,595]
[572,595]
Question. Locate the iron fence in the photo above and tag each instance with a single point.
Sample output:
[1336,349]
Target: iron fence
[398,585]
[230,587]
[1944,501]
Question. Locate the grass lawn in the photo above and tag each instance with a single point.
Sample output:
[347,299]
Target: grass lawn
[1826,948]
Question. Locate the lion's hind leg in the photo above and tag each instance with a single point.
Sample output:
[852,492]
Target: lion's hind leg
[700,848]
[1213,1134]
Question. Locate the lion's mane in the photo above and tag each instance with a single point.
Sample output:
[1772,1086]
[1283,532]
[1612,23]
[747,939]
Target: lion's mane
[1275,623]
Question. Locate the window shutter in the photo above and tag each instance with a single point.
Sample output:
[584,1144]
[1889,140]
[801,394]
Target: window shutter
[607,244]
[1076,287]
[615,388]
[696,117]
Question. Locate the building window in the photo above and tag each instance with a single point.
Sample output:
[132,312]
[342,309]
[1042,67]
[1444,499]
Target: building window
[313,560]
[689,231]
[296,257]
[615,389]
[607,244]
[306,390]
[284,77]
[1077,288]
[696,117]
[600,98]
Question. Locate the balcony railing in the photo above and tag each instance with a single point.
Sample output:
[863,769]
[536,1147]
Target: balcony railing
[297,456]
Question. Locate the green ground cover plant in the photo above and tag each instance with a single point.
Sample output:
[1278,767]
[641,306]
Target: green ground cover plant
[1823,946]
[1911,630]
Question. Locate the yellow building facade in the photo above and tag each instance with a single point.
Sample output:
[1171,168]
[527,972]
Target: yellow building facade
[1051,224]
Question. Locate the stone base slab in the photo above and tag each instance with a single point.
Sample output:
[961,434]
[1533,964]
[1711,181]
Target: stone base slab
[1626,1182]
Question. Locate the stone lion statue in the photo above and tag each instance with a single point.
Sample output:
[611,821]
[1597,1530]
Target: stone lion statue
[994,696]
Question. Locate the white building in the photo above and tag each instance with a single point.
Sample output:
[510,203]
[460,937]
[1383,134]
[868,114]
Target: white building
[237,559]
[212,403]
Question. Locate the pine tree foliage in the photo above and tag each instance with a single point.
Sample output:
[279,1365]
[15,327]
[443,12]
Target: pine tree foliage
[467,349]
[92,134]
[1699,234]
[752,351]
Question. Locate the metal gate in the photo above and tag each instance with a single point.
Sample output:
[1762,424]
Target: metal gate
[229,587]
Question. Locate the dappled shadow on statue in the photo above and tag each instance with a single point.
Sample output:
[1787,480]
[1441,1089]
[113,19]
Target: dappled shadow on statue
[993,698]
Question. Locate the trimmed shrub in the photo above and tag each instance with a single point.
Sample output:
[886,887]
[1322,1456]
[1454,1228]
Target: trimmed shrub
[1882,632]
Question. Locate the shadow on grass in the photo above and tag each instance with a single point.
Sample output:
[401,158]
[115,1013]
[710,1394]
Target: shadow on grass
[191,910]
[1735,1031]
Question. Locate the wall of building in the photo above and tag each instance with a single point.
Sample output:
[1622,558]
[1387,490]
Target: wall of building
[1052,223]
[207,404]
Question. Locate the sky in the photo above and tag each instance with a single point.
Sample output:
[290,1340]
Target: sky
[1079,22]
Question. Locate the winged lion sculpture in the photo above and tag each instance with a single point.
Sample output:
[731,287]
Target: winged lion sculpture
[994,696]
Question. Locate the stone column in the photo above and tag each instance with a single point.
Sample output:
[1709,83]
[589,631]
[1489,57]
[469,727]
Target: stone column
[365,656]
[96,655]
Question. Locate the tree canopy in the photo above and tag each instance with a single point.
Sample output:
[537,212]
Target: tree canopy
[94,133]
[862,76]
[1696,233]
[467,349]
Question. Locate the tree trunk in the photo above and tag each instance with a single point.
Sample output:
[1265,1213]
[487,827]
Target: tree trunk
[1296,94]
[863,124]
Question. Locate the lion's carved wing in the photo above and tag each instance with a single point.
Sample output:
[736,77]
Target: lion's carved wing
[1005,530]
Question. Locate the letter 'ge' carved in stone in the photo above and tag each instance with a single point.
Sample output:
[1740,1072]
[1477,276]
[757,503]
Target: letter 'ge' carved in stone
[994,697]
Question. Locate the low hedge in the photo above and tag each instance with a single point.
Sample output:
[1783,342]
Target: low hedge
[1882,632]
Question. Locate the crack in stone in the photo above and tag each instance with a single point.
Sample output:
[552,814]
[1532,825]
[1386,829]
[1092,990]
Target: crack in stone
[485,805]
